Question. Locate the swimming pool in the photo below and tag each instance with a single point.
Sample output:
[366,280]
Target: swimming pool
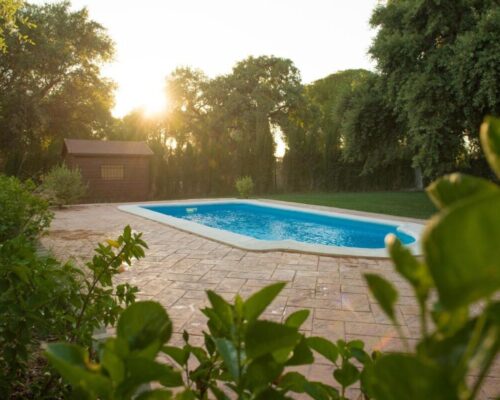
[258,225]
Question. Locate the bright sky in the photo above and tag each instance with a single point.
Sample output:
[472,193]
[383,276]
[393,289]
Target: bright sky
[153,37]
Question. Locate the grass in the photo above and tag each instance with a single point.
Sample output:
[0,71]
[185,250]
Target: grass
[405,204]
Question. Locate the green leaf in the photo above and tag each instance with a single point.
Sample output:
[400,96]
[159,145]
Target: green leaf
[297,318]
[320,391]
[401,376]
[361,355]
[414,271]
[180,356]
[262,371]
[264,337]
[229,355]
[449,321]
[221,308]
[301,354]
[22,273]
[141,370]
[490,140]
[256,304]
[324,347]
[145,326]
[461,252]
[456,187]
[347,374]
[113,365]
[384,292]
[293,381]
[72,362]
[209,343]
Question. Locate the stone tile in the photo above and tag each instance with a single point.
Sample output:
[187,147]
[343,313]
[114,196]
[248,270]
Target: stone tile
[230,284]
[344,315]
[332,330]
[283,275]
[362,328]
[355,302]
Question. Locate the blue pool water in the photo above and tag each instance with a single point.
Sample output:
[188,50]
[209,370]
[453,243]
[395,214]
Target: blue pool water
[269,223]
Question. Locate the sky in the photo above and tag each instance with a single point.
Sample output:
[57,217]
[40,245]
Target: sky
[153,37]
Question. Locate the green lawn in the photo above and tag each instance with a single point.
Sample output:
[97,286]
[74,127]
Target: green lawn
[406,204]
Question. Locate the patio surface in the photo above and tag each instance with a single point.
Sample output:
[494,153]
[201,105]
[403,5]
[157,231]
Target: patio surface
[180,266]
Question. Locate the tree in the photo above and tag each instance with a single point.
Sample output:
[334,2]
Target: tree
[10,21]
[441,62]
[264,91]
[52,88]
[330,94]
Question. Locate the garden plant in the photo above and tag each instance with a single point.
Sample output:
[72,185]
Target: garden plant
[456,284]
[62,185]
[244,186]
[42,299]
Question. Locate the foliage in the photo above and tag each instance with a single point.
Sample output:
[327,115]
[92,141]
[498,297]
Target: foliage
[244,186]
[250,356]
[44,300]
[63,186]
[51,87]
[37,300]
[9,22]
[439,62]
[462,264]
[23,213]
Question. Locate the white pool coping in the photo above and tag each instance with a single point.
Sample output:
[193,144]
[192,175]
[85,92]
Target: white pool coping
[252,244]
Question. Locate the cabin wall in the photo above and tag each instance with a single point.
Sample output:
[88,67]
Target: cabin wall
[113,178]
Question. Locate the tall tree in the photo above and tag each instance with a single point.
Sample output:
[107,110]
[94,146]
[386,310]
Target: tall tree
[264,90]
[441,64]
[51,87]
[329,95]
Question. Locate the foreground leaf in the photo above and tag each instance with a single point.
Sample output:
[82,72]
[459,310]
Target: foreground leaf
[490,140]
[71,361]
[256,304]
[384,293]
[324,347]
[401,376]
[456,187]
[264,337]
[145,325]
[462,256]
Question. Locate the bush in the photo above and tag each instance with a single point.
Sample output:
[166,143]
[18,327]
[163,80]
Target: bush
[252,358]
[63,186]
[244,186]
[22,212]
[44,300]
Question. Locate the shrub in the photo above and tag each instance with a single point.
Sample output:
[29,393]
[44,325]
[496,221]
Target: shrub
[244,186]
[42,299]
[22,212]
[251,357]
[63,186]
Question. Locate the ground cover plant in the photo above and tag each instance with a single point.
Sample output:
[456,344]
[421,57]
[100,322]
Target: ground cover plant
[456,284]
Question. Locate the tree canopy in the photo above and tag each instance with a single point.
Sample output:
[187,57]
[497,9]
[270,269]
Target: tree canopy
[51,86]
[440,63]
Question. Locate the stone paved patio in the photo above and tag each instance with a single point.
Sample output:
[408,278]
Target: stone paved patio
[179,267]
